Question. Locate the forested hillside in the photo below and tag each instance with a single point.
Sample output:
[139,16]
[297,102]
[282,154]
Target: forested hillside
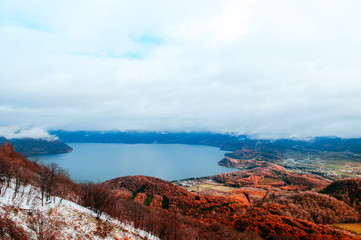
[276,214]
[30,146]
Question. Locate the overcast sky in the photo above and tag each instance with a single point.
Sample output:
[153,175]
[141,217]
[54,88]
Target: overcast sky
[266,68]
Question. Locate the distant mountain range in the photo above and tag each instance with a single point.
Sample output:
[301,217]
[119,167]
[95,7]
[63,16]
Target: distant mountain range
[199,138]
[238,144]
[30,146]
[228,142]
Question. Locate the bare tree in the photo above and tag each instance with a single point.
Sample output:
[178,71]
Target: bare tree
[47,180]
[98,198]
[5,173]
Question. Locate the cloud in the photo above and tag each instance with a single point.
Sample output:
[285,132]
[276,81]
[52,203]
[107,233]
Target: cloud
[11,132]
[272,69]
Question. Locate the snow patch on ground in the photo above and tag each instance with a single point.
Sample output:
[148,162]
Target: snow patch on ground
[65,219]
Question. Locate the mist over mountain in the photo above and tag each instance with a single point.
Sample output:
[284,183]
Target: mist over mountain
[12,132]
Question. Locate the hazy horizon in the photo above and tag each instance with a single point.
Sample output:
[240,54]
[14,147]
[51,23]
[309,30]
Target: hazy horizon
[271,69]
[46,134]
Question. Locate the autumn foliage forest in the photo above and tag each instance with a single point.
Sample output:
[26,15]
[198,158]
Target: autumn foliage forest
[291,215]
[267,203]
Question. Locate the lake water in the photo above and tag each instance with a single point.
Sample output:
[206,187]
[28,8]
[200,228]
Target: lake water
[103,161]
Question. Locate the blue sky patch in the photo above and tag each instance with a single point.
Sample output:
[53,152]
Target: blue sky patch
[132,56]
[23,21]
[148,39]
[105,54]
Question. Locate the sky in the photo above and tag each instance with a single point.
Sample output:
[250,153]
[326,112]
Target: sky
[271,68]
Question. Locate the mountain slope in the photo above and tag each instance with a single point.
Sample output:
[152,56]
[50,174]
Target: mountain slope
[347,190]
[57,219]
[40,202]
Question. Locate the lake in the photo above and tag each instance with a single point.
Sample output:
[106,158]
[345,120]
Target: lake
[103,161]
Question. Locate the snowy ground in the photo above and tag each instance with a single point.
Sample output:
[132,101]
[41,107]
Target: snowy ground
[65,219]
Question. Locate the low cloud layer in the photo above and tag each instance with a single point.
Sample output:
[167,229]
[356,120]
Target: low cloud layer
[11,132]
[266,68]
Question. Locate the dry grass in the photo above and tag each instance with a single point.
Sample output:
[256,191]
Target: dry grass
[269,181]
[208,186]
[355,227]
